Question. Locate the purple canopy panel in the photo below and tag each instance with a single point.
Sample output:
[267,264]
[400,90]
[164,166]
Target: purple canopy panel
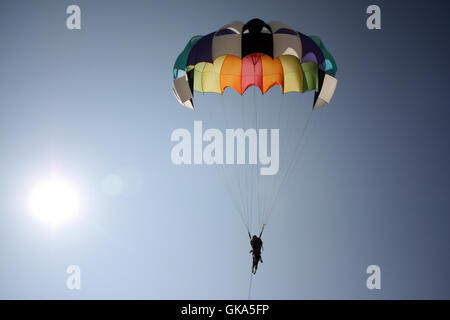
[201,51]
[286,31]
[310,57]
[311,51]
[224,32]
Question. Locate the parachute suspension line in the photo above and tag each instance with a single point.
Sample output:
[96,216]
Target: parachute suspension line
[250,286]
[240,173]
[249,172]
[257,188]
[240,187]
[282,121]
[254,173]
[246,170]
[265,183]
[255,169]
[222,175]
[288,138]
[237,170]
[291,164]
[259,182]
[229,180]
[229,189]
[282,107]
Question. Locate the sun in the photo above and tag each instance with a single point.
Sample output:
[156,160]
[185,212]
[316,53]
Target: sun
[54,201]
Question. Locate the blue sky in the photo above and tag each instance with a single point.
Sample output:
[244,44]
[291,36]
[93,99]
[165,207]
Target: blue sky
[371,186]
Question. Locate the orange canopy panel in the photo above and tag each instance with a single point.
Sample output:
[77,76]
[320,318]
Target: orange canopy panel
[230,75]
[272,73]
[253,70]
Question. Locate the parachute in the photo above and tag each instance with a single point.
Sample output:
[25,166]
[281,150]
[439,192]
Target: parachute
[256,56]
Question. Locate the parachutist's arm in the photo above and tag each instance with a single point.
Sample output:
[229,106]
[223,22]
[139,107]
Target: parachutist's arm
[262,230]
[249,235]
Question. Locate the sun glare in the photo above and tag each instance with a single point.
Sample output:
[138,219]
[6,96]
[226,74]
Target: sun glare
[54,201]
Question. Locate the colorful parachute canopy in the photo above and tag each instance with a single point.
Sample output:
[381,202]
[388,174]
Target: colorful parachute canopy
[258,54]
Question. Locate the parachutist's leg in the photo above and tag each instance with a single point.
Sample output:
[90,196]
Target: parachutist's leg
[255,264]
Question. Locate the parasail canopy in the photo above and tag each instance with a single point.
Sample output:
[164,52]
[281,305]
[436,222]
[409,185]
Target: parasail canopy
[257,54]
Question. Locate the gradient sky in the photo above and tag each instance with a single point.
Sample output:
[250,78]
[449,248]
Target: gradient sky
[372,186]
